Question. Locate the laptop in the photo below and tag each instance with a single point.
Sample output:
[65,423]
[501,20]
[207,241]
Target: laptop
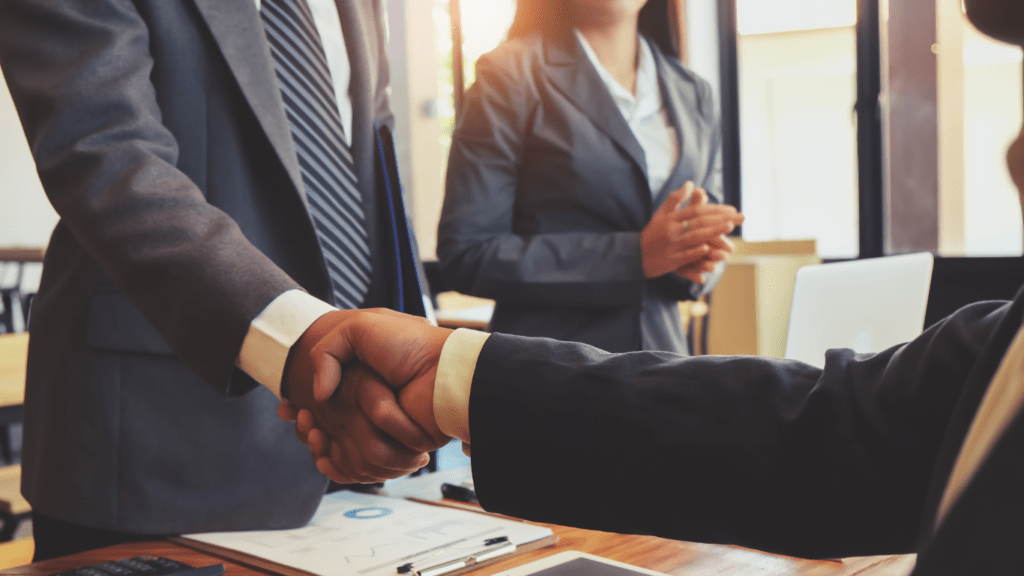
[867,305]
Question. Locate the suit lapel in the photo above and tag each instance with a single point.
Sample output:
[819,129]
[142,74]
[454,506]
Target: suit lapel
[683,169]
[968,405]
[363,58]
[573,75]
[985,519]
[237,29]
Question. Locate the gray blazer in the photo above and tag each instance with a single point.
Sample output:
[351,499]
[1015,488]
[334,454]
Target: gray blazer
[547,194]
[160,139]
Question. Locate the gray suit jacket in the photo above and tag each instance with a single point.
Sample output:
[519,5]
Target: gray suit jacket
[160,139]
[547,194]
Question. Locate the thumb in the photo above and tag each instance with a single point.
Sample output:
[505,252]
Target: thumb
[327,377]
[676,198]
[328,354]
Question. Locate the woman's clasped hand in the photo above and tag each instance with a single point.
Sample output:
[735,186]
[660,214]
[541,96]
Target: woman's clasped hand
[687,235]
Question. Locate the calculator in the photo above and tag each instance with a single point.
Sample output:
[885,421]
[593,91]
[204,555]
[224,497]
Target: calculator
[144,565]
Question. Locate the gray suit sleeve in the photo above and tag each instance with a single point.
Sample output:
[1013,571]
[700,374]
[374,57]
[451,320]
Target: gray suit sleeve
[481,251]
[79,73]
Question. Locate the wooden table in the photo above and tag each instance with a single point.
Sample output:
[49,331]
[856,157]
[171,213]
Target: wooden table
[669,556]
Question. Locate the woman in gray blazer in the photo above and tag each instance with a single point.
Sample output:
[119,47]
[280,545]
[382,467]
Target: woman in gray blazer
[580,176]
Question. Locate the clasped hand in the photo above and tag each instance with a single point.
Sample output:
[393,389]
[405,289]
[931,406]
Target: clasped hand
[688,241]
[360,391]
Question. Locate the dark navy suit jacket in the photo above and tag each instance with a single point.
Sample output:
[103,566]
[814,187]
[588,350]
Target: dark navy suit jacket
[847,460]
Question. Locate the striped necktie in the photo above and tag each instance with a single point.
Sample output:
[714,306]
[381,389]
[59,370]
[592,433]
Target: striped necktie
[328,172]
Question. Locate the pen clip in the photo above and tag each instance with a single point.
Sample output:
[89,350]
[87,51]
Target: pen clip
[507,547]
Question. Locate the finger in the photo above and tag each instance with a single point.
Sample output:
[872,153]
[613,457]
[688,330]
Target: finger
[721,243]
[340,463]
[327,469]
[716,256]
[688,256]
[326,378]
[287,411]
[304,422]
[706,235]
[361,460]
[721,209]
[318,443]
[705,227]
[700,198]
[693,210]
[369,450]
[361,471]
[367,444]
[380,405]
[676,198]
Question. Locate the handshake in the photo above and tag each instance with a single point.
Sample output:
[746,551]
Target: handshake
[359,386]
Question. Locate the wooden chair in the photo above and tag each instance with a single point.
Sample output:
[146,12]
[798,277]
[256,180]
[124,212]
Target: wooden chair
[13,362]
[16,553]
[13,507]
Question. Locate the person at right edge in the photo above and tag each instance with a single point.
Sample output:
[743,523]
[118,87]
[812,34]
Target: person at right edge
[915,449]
[577,148]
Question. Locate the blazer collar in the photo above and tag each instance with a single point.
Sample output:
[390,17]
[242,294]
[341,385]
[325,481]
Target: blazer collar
[575,77]
[238,31]
[673,98]
[362,91]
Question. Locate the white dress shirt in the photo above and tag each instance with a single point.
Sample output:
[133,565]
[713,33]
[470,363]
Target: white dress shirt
[272,333]
[644,112]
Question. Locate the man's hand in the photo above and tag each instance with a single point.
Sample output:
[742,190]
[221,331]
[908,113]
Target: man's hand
[373,437]
[402,350]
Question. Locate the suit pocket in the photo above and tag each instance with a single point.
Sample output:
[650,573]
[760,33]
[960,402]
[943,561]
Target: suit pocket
[115,324]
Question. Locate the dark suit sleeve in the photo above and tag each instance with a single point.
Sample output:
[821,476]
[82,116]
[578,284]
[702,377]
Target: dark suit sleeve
[480,251]
[765,453]
[79,73]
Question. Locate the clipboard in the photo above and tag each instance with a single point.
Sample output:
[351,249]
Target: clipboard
[354,533]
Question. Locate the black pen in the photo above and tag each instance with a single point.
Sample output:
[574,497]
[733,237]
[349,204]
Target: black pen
[457,492]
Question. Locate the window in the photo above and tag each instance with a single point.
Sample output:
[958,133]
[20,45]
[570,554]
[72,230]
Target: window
[798,141]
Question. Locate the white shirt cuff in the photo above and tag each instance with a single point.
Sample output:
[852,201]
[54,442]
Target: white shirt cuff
[272,334]
[454,380]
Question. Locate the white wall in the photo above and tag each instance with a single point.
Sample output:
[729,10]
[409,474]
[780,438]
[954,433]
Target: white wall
[26,218]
